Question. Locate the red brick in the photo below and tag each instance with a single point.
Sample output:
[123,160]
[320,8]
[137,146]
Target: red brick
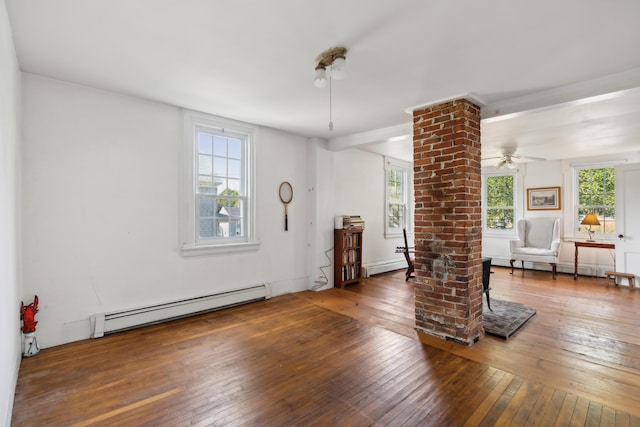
[448,220]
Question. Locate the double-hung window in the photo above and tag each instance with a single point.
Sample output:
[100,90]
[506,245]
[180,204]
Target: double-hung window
[220,189]
[595,193]
[221,196]
[499,204]
[397,189]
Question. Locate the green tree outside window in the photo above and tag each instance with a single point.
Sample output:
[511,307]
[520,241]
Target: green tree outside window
[596,194]
[500,210]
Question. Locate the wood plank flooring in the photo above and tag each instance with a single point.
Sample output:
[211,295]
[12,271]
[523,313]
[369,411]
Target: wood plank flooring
[349,358]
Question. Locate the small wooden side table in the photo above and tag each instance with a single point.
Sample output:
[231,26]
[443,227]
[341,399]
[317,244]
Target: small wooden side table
[590,245]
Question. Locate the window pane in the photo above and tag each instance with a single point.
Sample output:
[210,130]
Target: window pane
[220,146]
[205,184]
[205,207]
[235,228]
[220,166]
[204,165]
[228,228]
[234,185]
[206,228]
[205,143]
[584,195]
[234,169]
[229,218]
[395,216]
[394,186]
[235,148]
[500,219]
[221,185]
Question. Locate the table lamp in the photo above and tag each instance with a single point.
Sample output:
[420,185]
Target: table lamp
[590,220]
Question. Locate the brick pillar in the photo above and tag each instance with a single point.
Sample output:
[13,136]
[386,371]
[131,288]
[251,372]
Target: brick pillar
[448,223]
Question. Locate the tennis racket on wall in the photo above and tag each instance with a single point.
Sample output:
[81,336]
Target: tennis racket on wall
[286,195]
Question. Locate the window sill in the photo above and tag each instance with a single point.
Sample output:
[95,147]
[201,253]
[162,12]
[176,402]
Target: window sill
[395,234]
[190,250]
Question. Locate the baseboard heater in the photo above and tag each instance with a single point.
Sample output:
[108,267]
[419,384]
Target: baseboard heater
[383,267]
[116,321]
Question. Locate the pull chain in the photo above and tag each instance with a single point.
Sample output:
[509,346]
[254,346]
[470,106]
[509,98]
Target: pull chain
[330,106]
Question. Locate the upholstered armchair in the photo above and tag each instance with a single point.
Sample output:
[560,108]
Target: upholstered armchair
[538,241]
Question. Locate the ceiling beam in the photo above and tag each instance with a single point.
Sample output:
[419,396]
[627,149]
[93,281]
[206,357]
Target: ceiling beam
[389,134]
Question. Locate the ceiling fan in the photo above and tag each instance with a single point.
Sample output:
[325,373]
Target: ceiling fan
[507,160]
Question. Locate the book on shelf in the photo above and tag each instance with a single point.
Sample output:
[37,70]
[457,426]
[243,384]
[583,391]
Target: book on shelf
[351,240]
[351,272]
[350,256]
[352,221]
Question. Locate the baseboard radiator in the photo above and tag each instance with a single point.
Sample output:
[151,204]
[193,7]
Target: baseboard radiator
[116,321]
[383,267]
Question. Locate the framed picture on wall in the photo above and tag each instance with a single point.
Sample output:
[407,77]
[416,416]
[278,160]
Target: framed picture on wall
[546,198]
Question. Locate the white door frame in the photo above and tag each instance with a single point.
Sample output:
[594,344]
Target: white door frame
[627,180]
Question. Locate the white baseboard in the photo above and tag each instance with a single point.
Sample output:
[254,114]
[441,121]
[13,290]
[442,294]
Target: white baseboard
[583,269]
[13,383]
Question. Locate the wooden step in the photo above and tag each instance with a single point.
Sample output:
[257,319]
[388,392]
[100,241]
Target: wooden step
[613,274]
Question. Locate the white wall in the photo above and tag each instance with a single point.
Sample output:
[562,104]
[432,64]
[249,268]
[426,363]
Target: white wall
[359,180]
[100,209]
[321,172]
[556,174]
[534,175]
[10,347]
[348,182]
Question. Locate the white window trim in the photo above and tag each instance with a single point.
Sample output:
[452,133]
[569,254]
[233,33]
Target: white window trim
[571,214]
[408,167]
[518,204]
[189,245]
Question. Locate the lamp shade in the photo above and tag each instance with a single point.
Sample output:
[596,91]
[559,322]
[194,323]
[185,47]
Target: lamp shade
[590,219]
[338,69]
[320,80]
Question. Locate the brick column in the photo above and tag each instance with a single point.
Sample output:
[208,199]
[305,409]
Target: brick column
[448,223]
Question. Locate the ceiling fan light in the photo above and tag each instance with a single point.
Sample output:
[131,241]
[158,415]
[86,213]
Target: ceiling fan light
[501,163]
[320,80]
[338,68]
[511,164]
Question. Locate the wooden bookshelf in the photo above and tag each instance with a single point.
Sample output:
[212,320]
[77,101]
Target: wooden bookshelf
[347,253]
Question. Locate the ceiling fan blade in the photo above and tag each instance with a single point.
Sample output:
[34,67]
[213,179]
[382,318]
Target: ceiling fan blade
[509,159]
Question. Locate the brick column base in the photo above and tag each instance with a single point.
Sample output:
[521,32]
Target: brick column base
[448,221]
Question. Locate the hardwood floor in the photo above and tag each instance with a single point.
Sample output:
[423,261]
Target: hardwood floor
[351,357]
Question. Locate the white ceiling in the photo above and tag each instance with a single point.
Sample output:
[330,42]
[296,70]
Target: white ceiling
[253,60]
